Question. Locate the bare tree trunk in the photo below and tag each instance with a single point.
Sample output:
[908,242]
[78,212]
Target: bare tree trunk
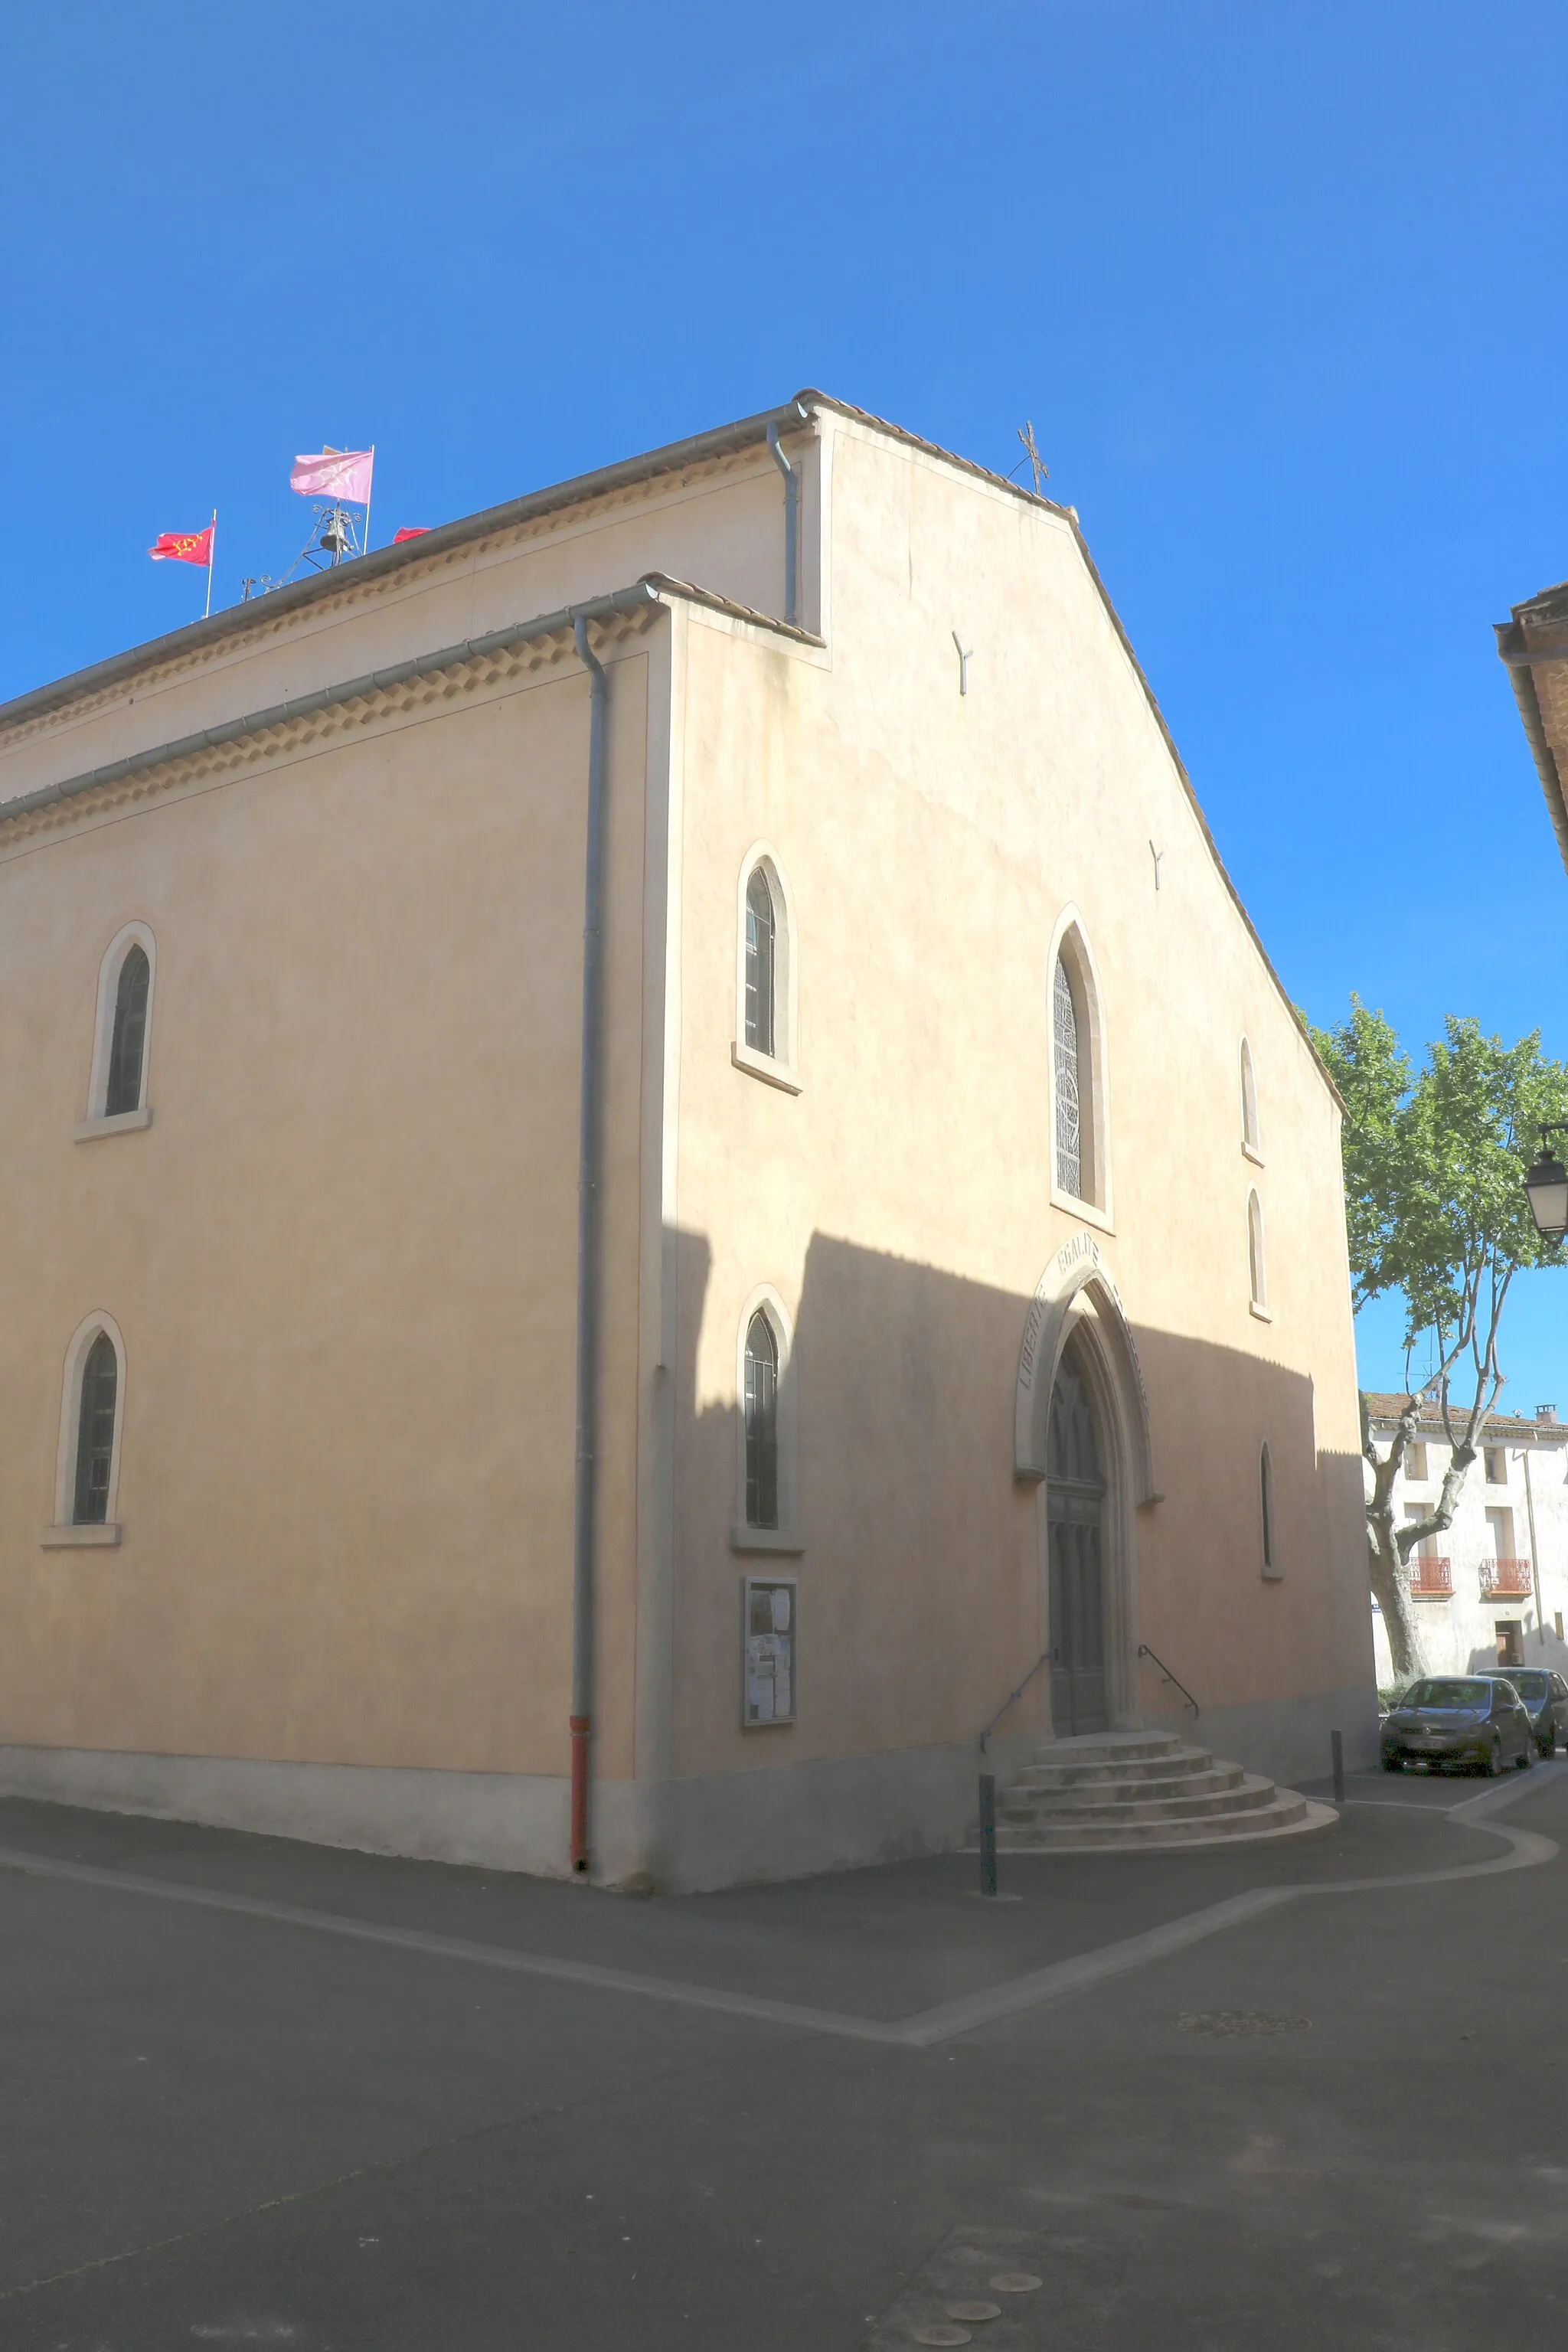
[1389,1546]
[1391,1591]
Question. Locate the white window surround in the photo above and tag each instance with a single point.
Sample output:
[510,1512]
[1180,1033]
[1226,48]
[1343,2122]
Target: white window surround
[1251,1132]
[1070,943]
[129,935]
[779,1068]
[1256,1258]
[786,1536]
[64,1531]
[125,1122]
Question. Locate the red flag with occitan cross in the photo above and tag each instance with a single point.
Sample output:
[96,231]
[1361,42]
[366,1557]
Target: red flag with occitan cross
[184,546]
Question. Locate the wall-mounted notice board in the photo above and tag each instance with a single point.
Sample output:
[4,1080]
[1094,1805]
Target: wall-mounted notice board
[769,1615]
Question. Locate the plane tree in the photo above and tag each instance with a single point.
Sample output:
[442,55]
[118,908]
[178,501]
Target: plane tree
[1436,1209]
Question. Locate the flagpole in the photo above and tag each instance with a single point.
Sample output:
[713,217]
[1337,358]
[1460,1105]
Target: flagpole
[212,550]
[367,500]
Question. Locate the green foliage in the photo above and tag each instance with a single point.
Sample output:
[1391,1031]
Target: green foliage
[1433,1164]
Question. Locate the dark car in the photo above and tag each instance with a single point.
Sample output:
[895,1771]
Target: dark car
[1477,1721]
[1545,1695]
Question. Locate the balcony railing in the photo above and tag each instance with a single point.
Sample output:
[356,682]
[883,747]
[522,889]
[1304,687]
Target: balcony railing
[1509,1577]
[1430,1580]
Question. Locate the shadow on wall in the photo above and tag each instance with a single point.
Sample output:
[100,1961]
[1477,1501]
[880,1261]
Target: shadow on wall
[922,1600]
[1538,1647]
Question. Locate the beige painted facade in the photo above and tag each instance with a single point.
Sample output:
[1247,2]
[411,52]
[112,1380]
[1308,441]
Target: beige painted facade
[340,1254]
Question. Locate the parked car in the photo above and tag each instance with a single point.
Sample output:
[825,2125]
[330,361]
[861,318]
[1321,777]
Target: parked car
[1545,1695]
[1477,1721]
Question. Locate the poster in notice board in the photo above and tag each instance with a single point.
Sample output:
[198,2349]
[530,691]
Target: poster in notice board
[770,1634]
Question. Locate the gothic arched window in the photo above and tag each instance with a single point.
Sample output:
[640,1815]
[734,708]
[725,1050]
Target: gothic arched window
[128,1044]
[761,1405]
[761,933]
[1069,1099]
[1248,1101]
[95,1432]
[1266,1505]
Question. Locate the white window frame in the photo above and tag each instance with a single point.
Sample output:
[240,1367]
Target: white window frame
[1251,1141]
[786,1536]
[1069,944]
[779,1068]
[129,935]
[64,1531]
[1258,1261]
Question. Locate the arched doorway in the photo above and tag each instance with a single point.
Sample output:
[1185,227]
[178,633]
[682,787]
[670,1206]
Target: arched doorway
[1075,1512]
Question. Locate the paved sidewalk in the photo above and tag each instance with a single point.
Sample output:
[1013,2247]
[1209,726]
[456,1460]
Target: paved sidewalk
[226,2125]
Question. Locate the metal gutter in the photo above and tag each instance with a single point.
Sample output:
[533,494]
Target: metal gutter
[792,517]
[584,1511]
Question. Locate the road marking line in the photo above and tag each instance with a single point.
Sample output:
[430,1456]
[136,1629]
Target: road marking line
[921,2030]
[453,1947]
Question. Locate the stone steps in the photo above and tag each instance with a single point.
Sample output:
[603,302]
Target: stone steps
[1243,1793]
[1108,1788]
[1115,1791]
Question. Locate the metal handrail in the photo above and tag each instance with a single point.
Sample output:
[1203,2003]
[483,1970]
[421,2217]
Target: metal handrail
[1007,1702]
[1432,1576]
[1145,1652]
[1507,1578]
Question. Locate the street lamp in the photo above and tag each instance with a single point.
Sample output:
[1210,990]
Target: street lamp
[1546,1188]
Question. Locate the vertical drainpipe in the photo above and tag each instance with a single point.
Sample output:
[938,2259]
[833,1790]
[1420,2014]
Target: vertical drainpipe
[1534,1551]
[792,518]
[583,1525]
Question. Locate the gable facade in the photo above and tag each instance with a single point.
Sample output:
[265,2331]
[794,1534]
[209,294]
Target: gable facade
[340,1248]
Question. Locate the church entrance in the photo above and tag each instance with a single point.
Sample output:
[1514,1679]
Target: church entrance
[1075,1508]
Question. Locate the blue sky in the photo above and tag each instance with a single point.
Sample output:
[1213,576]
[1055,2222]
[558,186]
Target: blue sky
[1278,288]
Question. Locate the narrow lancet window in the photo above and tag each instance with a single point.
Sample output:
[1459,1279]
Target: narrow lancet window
[1266,1499]
[762,1412]
[1254,1266]
[1069,1141]
[1248,1098]
[760,929]
[95,1432]
[128,1048]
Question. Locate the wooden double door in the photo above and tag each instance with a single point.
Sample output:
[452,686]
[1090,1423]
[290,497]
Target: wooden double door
[1074,1508]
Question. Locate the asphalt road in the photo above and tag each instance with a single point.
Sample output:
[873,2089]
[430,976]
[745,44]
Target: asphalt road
[270,2095]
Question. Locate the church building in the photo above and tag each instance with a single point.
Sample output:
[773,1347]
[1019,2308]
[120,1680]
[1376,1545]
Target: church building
[651,1177]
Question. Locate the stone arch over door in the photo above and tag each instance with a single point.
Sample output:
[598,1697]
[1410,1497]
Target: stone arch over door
[1077,1299]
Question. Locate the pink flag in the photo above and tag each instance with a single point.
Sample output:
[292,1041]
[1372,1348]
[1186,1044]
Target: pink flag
[335,474]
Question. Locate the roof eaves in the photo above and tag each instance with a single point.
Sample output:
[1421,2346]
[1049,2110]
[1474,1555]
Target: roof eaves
[238,620]
[1519,657]
[653,588]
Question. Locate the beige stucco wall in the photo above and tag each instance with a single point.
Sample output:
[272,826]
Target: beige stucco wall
[343,1256]
[900,1203]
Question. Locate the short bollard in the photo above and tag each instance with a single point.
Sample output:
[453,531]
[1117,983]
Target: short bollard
[1338,1746]
[987,1834]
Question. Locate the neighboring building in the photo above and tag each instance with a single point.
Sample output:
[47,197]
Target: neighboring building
[1534,644]
[1493,1588]
[973,1273]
